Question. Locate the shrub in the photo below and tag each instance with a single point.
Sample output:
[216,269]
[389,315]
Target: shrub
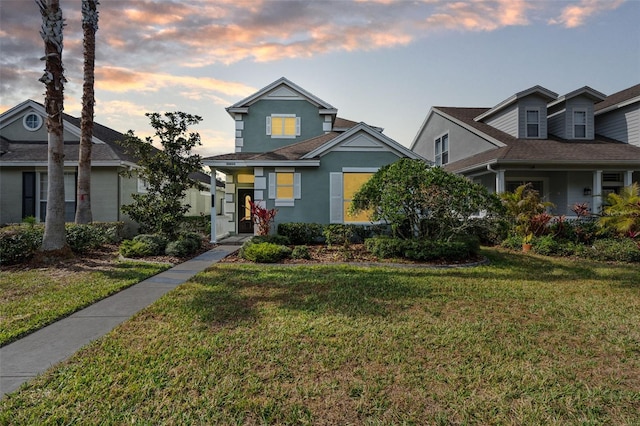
[301,252]
[85,237]
[280,240]
[131,248]
[616,249]
[185,245]
[18,243]
[198,224]
[113,231]
[549,245]
[156,242]
[490,231]
[424,250]
[384,247]
[265,252]
[302,233]
[338,234]
[512,242]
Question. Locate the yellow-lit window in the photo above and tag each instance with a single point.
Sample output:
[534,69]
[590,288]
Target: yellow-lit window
[284,126]
[245,178]
[352,182]
[284,185]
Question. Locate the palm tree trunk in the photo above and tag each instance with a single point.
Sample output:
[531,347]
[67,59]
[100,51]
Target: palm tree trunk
[89,28]
[52,23]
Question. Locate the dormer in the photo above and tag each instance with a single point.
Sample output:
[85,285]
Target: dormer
[278,115]
[571,116]
[523,115]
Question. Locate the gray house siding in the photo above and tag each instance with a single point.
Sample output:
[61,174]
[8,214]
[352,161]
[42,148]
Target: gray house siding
[314,201]
[532,102]
[557,124]
[579,104]
[462,143]
[506,120]
[622,124]
[15,131]
[255,136]
[11,199]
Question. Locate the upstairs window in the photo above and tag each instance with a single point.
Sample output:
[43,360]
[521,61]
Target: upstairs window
[283,126]
[32,122]
[532,117]
[579,124]
[442,150]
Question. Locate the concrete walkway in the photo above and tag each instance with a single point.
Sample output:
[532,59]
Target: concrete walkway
[24,359]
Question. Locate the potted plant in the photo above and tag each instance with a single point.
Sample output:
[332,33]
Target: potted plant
[526,242]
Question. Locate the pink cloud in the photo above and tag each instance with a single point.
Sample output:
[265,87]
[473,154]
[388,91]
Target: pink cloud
[577,14]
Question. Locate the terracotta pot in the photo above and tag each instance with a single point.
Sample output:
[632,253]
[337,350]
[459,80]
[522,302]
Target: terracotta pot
[526,247]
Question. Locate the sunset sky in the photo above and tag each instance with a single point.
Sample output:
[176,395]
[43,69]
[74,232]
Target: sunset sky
[383,62]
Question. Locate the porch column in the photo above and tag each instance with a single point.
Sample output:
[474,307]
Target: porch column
[500,184]
[628,177]
[596,195]
[212,189]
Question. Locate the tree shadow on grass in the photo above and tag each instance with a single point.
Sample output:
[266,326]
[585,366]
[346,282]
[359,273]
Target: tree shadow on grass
[236,294]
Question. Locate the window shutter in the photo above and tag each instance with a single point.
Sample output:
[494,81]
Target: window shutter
[297,190]
[272,186]
[297,126]
[269,125]
[335,198]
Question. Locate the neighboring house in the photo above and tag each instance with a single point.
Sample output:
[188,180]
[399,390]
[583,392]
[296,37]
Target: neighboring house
[574,148]
[294,154]
[23,169]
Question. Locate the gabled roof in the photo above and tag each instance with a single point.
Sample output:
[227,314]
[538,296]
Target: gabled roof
[305,153]
[362,127]
[106,151]
[546,94]
[553,150]
[586,91]
[618,100]
[242,105]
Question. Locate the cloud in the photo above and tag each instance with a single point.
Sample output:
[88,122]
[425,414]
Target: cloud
[480,15]
[576,15]
[122,80]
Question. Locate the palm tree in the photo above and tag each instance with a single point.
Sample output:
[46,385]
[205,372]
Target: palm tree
[622,214]
[89,28]
[52,23]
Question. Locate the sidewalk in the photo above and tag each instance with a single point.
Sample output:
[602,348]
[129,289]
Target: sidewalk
[24,359]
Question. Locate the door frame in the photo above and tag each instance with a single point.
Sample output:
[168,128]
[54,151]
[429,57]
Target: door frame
[242,194]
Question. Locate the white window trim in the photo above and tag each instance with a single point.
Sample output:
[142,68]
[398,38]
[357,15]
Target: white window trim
[269,129]
[336,194]
[573,122]
[273,188]
[526,123]
[435,151]
[32,129]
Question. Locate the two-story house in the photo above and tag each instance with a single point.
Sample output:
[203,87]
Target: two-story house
[23,170]
[293,153]
[573,149]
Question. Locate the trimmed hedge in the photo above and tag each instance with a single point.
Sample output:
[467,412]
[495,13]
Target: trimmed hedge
[156,242]
[19,242]
[265,252]
[423,250]
[302,233]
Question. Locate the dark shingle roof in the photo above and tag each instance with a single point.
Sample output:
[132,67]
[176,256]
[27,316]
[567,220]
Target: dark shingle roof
[287,153]
[618,97]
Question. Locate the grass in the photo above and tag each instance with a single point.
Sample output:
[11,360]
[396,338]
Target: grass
[524,340]
[32,299]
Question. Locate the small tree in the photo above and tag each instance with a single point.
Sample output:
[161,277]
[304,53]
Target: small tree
[622,213]
[262,217]
[420,201]
[525,210]
[165,172]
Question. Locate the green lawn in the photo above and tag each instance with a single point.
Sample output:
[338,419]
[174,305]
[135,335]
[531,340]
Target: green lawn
[32,299]
[524,340]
